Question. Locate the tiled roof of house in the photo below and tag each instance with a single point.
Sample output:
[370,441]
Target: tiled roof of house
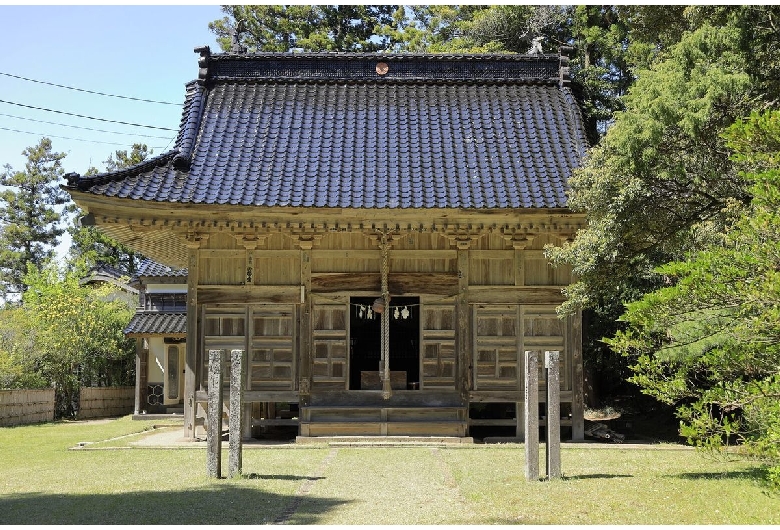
[151,269]
[152,323]
[331,130]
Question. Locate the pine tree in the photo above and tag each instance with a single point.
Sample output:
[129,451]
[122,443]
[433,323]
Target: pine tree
[93,246]
[29,215]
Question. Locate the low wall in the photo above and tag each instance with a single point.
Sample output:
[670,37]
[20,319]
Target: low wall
[21,407]
[99,402]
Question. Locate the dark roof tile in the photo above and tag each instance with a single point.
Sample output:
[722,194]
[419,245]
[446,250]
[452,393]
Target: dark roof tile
[145,324]
[152,269]
[335,135]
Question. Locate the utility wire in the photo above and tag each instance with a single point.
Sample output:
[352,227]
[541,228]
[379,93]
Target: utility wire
[67,138]
[90,91]
[84,128]
[87,117]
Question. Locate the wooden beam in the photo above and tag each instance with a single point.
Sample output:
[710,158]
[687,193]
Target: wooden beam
[256,396]
[248,294]
[511,396]
[510,294]
[411,283]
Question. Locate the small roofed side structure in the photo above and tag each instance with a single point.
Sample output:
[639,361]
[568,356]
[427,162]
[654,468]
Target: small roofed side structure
[160,329]
[369,230]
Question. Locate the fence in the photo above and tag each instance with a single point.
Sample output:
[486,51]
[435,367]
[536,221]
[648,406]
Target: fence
[22,407]
[98,402]
[19,407]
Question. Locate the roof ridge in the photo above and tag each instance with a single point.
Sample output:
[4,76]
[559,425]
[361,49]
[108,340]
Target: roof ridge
[77,181]
[382,67]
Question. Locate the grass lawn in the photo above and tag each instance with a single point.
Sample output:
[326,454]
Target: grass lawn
[44,482]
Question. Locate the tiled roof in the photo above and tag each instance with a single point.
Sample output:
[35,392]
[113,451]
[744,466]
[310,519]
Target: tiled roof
[145,324]
[329,131]
[151,269]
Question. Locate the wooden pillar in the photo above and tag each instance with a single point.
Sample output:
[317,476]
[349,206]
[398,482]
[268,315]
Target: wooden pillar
[140,363]
[214,422]
[519,263]
[250,244]
[577,377]
[191,357]
[553,439]
[139,371]
[463,327]
[531,418]
[305,314]
[236,414]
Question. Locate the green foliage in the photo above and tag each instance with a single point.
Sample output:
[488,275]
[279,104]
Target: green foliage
[283,28]
[28,215]
[660,183]
[710,339]
[65,335]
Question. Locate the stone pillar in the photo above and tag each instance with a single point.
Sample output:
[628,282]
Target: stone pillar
[237,364]
[214,425]
[531,418]
[553,442]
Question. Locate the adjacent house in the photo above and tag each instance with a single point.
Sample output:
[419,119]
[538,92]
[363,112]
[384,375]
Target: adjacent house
[367,231]
[160,329]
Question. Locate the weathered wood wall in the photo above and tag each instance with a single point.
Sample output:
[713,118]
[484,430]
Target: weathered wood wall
[505,280]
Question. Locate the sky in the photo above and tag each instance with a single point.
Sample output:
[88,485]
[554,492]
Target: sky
[140,51]
[137,51]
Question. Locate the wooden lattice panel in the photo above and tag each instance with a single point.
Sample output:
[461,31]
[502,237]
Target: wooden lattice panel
[496,347]
[438,346]
[544,331]
[329,366]
[272,353]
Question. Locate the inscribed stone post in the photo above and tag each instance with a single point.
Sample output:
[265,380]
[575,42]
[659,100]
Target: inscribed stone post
[531,415]
[235,418]
[553,444]
[214,425]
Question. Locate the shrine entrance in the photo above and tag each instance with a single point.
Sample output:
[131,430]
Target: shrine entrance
[365,344]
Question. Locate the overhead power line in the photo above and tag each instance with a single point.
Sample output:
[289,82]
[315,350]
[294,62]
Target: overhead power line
[67,138]
[84,128]
[87,117]
[90,91]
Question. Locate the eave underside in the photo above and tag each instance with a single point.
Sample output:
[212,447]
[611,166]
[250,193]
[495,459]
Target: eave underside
[164,231]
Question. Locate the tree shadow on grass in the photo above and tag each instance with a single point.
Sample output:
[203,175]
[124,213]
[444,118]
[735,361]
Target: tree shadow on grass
[226,503]
[257,476]
[594,476]
[758,474]
[755,473]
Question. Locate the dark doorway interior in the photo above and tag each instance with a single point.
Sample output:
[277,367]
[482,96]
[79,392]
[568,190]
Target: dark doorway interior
[365,338]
